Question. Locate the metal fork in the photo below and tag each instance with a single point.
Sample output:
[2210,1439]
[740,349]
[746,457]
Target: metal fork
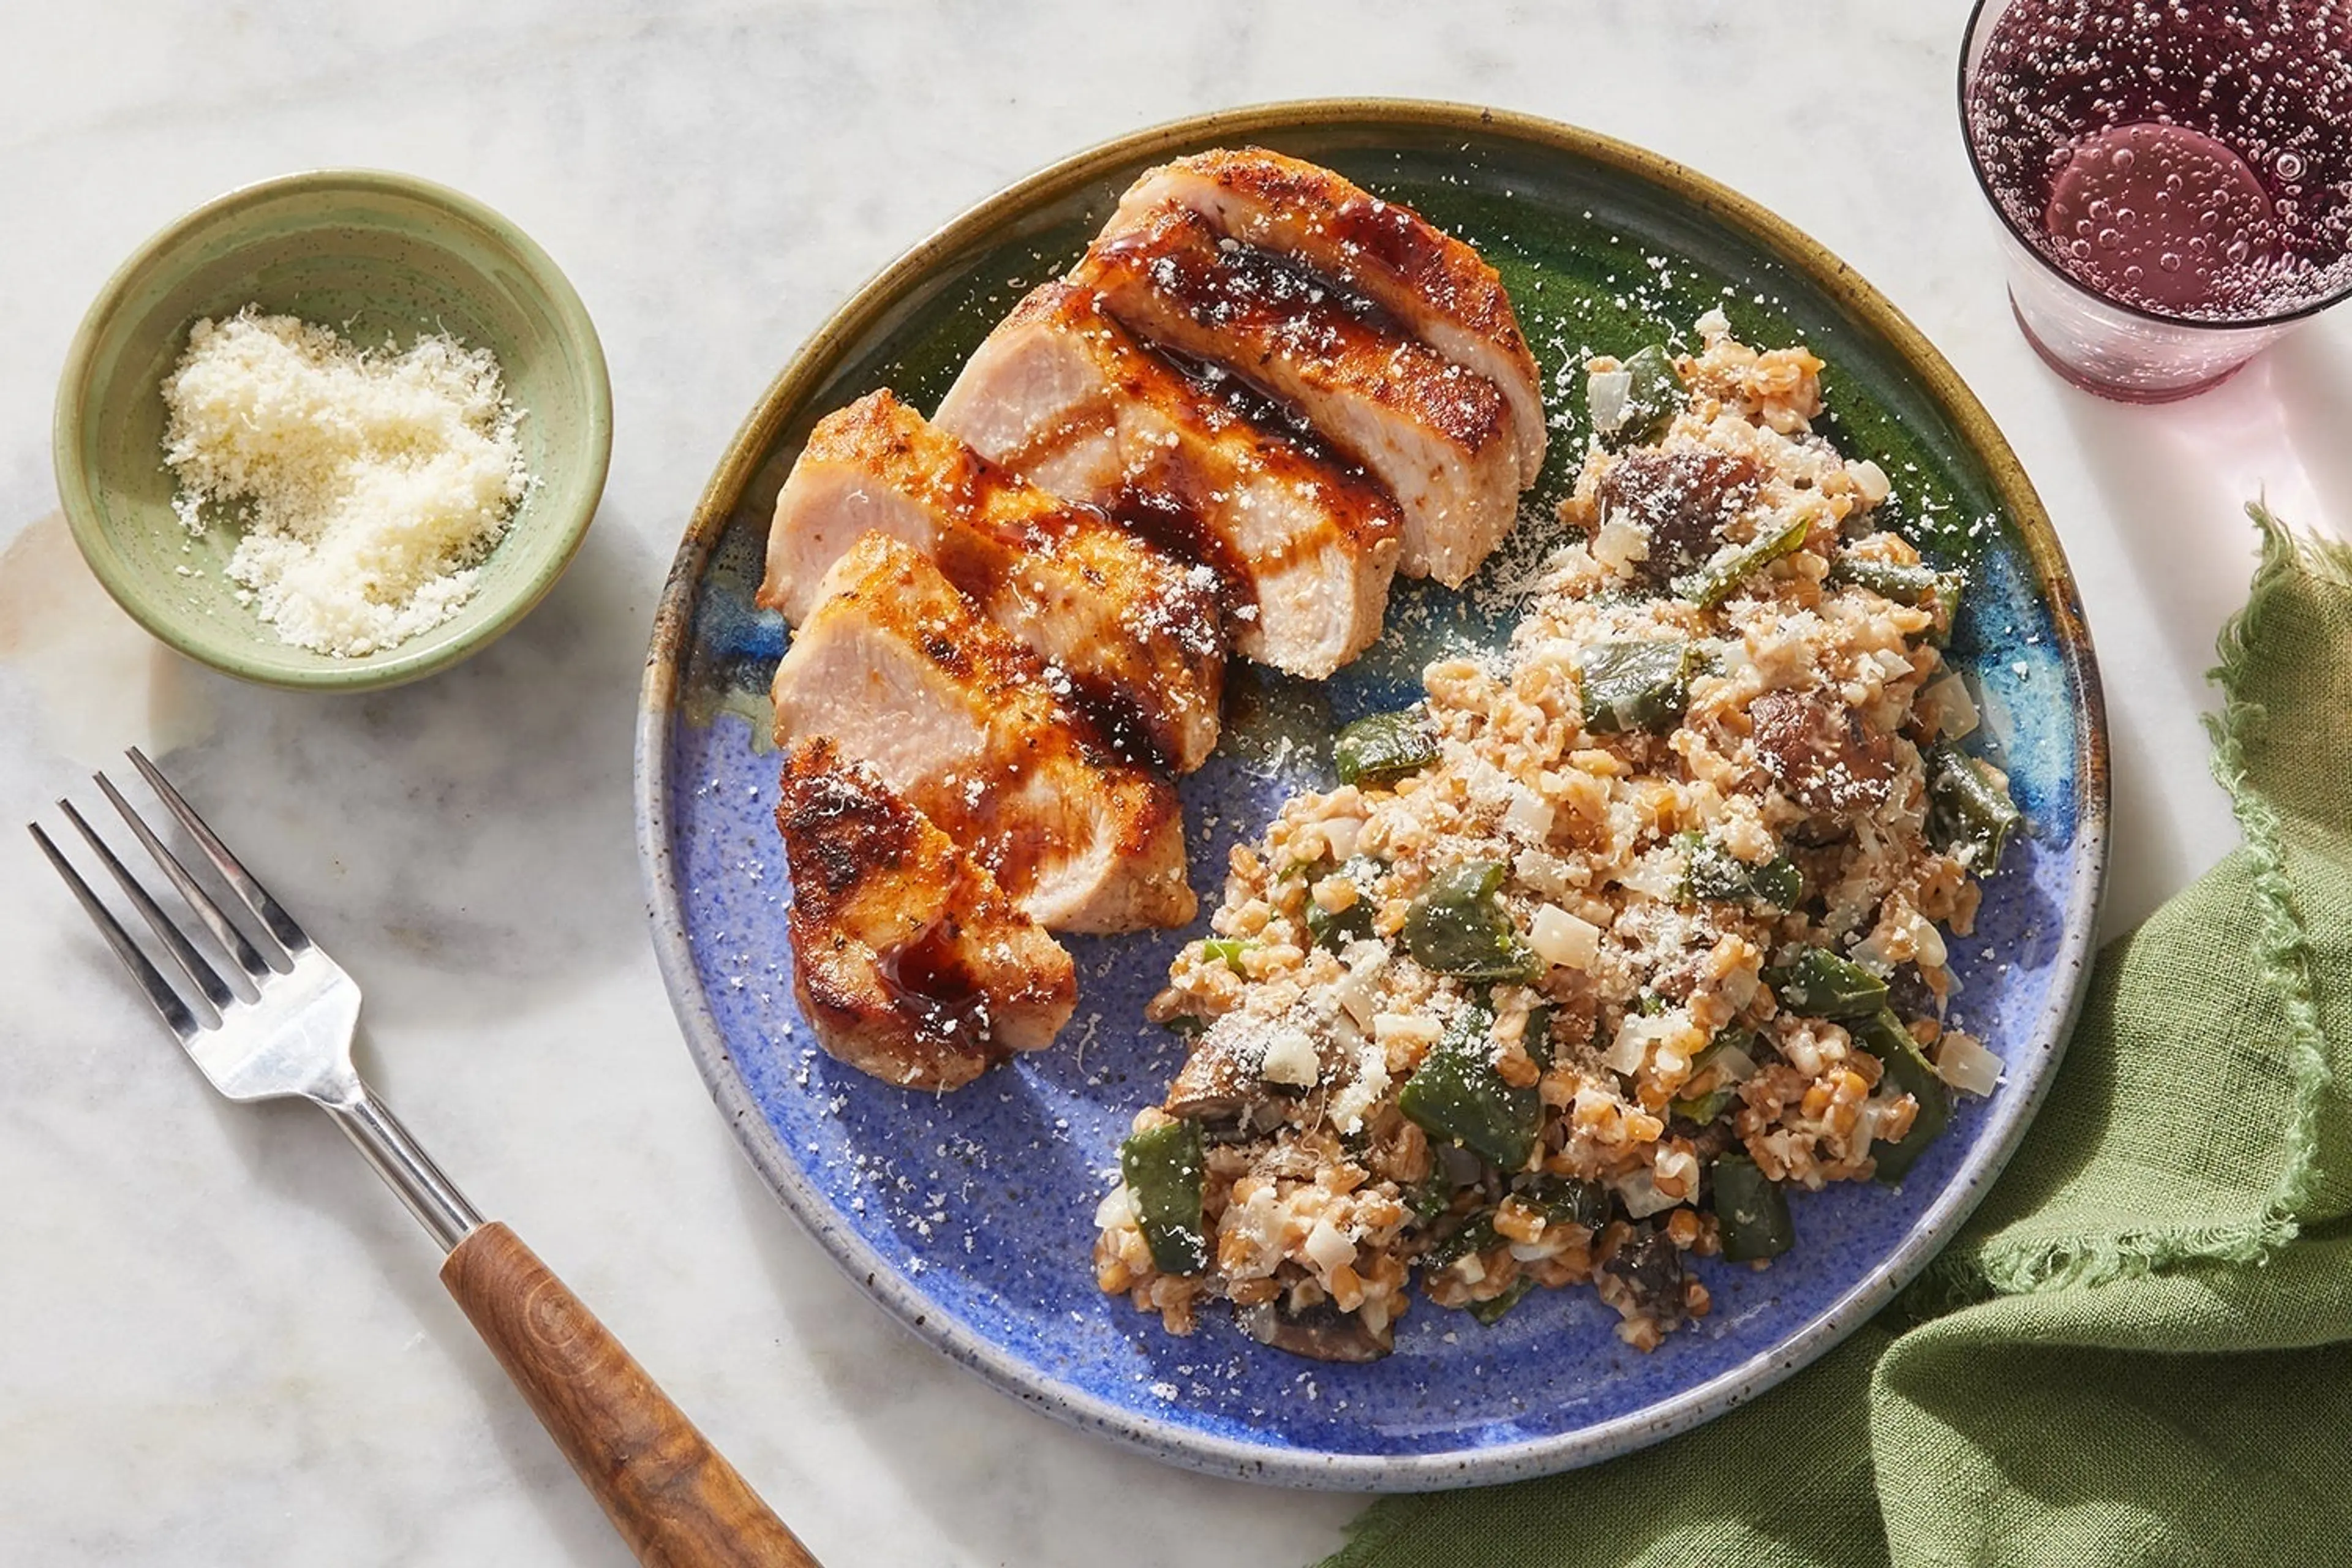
[674,1498]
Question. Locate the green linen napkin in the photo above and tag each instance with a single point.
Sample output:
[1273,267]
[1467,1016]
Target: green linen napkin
[2139,1350]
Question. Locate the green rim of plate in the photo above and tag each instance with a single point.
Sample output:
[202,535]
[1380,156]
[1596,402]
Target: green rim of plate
[486,239]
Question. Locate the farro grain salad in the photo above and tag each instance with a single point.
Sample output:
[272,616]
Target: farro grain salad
[1618,935]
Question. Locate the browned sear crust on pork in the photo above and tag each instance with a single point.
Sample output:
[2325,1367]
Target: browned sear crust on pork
[1441,289]
[902,671]
[1135,629]
[908,960]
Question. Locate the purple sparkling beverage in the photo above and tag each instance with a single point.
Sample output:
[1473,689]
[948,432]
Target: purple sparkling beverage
[2184,162]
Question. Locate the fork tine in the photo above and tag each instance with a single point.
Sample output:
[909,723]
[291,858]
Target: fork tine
[192,965]
[257,898]
[177,1017]
[248,956]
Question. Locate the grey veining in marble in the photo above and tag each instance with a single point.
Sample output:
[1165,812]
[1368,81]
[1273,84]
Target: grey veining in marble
[284,1383]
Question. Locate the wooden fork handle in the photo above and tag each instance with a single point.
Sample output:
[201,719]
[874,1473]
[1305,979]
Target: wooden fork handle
[674,1498]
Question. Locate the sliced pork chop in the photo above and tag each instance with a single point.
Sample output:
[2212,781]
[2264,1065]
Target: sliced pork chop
[1438,436]
[901,670]
[1438,287]
[1304,542]
[1137,630]
[909,961]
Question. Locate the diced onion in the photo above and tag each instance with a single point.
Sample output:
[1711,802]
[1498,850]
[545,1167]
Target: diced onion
[1340,836]
[1115,1212]
[1945,703]
[1966,1065]
[1736,1065]
[1529,817]
[1658,873]
[1327,1247]
[1358,991]
[1388,1027]
[1571,941]
[1541,871]
[1606,393]
[1355,993]
[1634,1037]
[1870,480]
[1639,1192]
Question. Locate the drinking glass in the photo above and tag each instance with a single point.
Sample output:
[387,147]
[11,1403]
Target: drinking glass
[2173,178]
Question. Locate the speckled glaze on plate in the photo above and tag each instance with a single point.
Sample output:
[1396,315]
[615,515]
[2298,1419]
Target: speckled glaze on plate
[970,1216]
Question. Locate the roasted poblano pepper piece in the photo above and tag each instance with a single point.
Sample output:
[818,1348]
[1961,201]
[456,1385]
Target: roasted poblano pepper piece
[1912,584]
[1712,874]
[1705,1107]
[1458,926]
[1227,949]
[1909,1071]
[1432,1195]
[1713,582]
[1187,1025]
[1634,685]
[1752,1213]
[1653,393]
[1565,1200]
[1536,1038]
[1820,984]
[1162,1166]
[1948,585]
[1457,1096]
[1382,748]
[1492,1311]
[1919,585]
[1334,930]
[1476,1233]
[1968,809]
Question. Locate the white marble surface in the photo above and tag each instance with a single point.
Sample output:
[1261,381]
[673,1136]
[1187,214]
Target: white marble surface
[224,1342]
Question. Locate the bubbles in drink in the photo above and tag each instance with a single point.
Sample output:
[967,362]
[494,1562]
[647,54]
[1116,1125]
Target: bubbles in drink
[2140,176]
[2189,159]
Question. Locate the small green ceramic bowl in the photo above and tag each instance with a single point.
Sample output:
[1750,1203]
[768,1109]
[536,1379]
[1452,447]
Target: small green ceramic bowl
[372,254]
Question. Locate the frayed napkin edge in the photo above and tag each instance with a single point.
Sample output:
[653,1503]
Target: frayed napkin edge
[2283,956]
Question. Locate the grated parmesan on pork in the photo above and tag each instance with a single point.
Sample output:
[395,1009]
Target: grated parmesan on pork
[369,484]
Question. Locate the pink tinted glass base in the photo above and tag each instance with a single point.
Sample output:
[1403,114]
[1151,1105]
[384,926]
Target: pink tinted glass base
[2117,392]
[2106,349]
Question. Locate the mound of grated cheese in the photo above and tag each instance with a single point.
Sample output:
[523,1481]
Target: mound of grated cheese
[369,484]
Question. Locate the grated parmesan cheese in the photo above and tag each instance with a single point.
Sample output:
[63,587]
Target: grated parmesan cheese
[1290,1058]
[369,484]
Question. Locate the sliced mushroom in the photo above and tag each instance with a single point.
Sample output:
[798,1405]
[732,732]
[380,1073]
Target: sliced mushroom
[1820,753]
[1682,499]
[1650,1267]
[1242,1061]
[1711,1140]
[1321,1332]
[1220,1079]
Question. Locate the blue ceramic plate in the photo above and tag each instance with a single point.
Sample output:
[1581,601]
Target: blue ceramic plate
[970,1216]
